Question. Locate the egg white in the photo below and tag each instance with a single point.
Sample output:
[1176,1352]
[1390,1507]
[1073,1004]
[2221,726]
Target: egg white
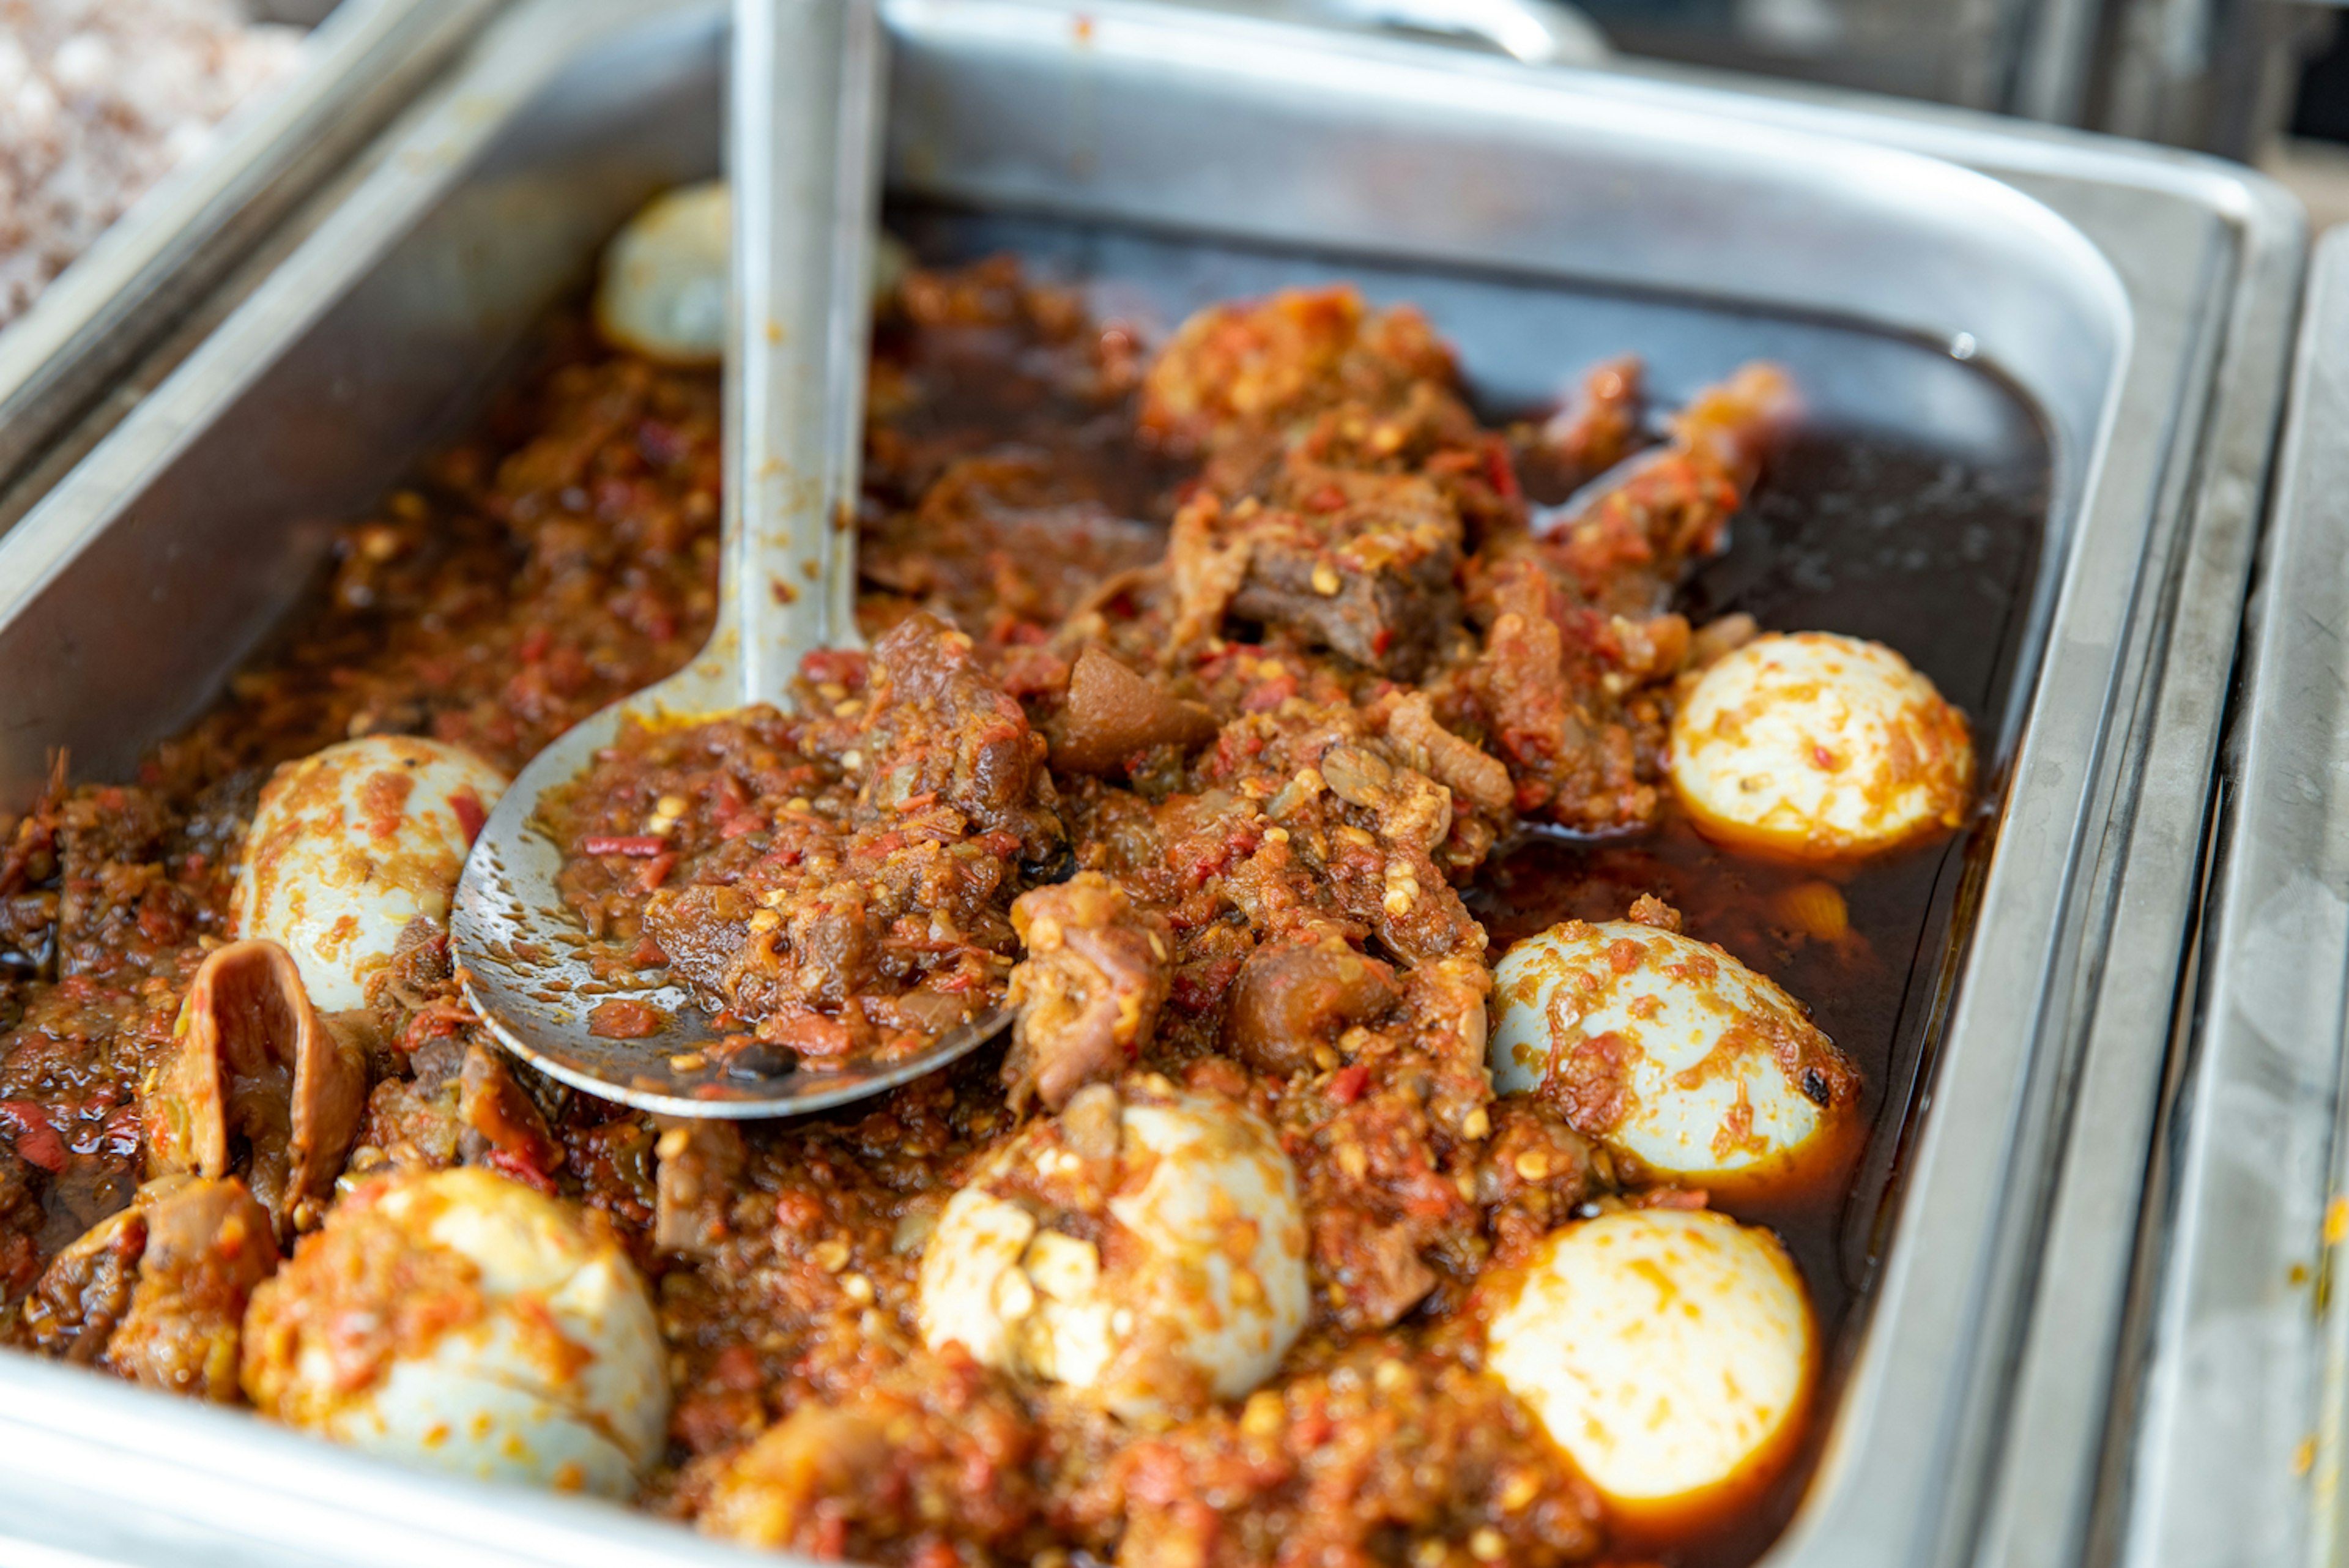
[1816,746]
[496,1397]
[351,842]
[1210,1282]
[1667,1352]
[1670,1051]
[663,289]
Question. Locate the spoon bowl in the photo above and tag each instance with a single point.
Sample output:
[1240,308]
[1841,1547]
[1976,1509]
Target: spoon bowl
[804,137]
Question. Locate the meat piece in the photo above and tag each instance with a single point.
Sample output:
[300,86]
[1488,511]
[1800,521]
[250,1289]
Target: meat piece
[1234,370]
[1470,774]
[1360,563]
[1291,1001]
[1112,713]
[1097,971]
[414,1121]
[868,1478]
[500,1125]
[157,1292]
[1598,426]
[255,1067]
[1570,762]
[85,1292]
[1408,811]
[1625,544]
[207,1245]
[1207,562]
[938,725]
[702,929]
[1385,1277]
[699,1177]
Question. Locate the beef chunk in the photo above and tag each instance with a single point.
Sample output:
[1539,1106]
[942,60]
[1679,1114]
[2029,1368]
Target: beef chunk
[1291,1001]
[939,726]
[1362,564]
[1096,973]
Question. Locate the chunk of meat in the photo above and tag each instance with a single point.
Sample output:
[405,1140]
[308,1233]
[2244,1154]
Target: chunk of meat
[498,1124]
[257,1068]
[209,1243]
[1569,763]
[876,1479]
[938,725]
[1598,426]
[85,1293]
[157,1292]
[698,1175]
[1358,563]
[1471,773]
[414,1121]
[1624,547]
[1237,369]
[1292,1001]
[1112,713]
[1096,972]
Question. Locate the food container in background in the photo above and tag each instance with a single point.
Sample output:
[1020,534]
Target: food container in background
[314,100]
[2118,316]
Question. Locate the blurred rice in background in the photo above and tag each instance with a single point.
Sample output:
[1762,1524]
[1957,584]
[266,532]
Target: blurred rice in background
[101,98]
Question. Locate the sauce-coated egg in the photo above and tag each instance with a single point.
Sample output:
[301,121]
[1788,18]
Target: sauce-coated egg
[1670,1050]
[1817,746]
[351,842]
[464,1322]
[1150,1253]
[1669,1352]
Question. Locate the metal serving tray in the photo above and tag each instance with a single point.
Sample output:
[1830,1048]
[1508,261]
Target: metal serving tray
[2238,1458]
[2141,301]
[364,61]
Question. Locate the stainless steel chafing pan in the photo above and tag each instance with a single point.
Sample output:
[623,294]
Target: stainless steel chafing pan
[2237,1455]
[2140,301]
[364,61]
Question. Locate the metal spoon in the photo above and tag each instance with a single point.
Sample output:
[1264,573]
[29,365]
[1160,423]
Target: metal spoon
[804,135]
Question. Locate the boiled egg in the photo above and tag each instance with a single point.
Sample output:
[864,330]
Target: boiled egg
[465,1323]
[1667,1352]
[1670,1050]
[350,844]
[1817,746]
[663,289]
[1156,1261]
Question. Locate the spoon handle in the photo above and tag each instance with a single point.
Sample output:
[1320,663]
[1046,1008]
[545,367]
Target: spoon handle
[804,138]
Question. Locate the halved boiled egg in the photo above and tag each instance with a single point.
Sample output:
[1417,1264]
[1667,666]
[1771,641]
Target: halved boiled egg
[350,844]
[1670,1050]
[1819,747]
[1669,1352]
[464,1322]
[1150,1250]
